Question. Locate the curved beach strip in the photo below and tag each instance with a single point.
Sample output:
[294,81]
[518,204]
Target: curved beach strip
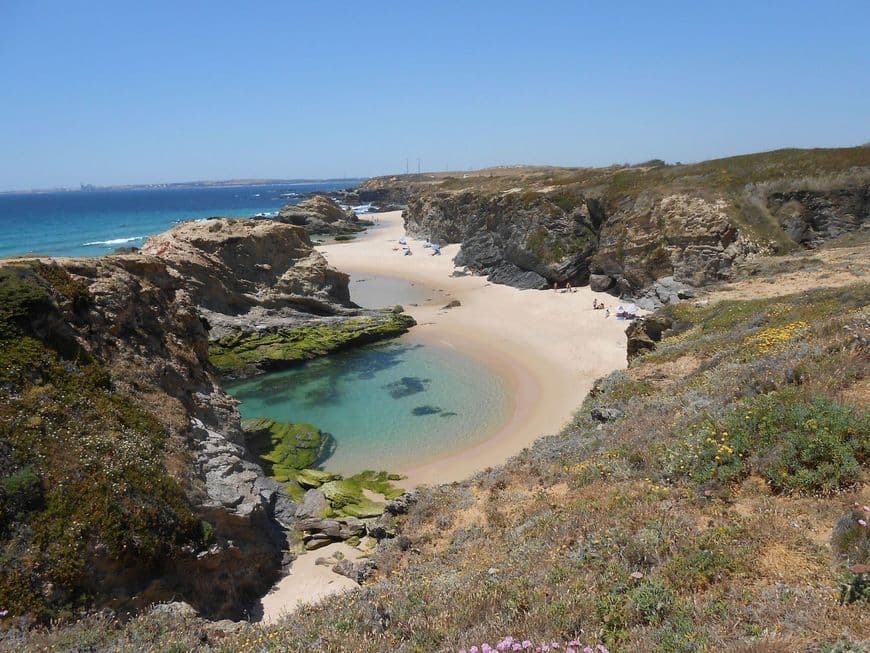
[549,346]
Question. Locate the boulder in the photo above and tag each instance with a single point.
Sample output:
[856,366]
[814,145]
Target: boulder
[314,505]
[643,334]
[600,282]
[358,571]
[319,215]
[605,414]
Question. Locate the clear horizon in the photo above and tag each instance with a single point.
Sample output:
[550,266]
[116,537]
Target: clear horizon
[122,95]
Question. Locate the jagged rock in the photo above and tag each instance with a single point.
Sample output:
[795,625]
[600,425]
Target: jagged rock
[600,282]
[517,239]
[268,297]
[810,217]
[319,215]
[605,414]
[643,334]
[314,505]
[139,323]
[175,609]
[358,572]
[402,504]
[381,527]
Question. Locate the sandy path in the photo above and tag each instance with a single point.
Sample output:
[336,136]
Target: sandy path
[549,346]
[308,582]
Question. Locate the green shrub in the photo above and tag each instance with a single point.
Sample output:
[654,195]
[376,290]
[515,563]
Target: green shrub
[650,602]
[799,444]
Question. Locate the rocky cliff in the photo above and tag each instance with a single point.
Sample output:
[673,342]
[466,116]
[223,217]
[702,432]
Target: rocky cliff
[644,232]
[122,458]
[268,296]
[125,477]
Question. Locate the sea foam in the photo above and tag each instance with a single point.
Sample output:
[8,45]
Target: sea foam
[114,241]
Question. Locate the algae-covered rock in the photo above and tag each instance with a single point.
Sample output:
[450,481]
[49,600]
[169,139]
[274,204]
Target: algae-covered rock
[286,448]
[312,478]
[246,352]
[342,493]
[347,496]
[363,509]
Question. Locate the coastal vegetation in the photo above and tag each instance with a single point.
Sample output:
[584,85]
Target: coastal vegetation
[711,496]
[83,480]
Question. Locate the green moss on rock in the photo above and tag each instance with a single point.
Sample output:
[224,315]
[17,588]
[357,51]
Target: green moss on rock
[312,478]
[346,495]
[286,448]
[242,354]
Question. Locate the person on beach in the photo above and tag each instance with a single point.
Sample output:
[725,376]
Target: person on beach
[568,287]
[555,287]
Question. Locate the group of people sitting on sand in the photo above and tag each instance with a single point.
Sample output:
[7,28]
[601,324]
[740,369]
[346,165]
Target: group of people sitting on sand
[406,248]
[567,288]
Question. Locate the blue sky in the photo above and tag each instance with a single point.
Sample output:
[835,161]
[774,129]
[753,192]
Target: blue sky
[124,92]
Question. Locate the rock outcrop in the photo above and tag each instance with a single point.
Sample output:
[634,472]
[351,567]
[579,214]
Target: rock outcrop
[810,217]
[320,215]
[526,240]
[652,245]
[124,332]
[130,444]
[269,298]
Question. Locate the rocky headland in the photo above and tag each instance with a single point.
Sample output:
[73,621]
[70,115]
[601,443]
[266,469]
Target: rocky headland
[128,476]
[650,233]
[268,297]
[320,215]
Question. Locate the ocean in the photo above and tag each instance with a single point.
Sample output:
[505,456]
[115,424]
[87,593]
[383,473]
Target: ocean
[92,223]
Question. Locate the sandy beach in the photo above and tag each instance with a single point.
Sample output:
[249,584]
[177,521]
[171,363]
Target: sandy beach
[549,346]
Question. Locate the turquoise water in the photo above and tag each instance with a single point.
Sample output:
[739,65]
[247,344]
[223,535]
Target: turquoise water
[388,406]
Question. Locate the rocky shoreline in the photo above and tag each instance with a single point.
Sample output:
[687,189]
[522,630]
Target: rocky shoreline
[145,322]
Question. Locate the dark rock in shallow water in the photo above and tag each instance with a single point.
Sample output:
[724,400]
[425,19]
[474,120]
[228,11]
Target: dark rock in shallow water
[426,410]
[406,386]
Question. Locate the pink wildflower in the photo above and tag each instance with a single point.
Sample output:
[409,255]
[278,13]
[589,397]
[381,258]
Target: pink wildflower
[3,613]
[485,648]
[570,649]
[527,644]
[588,649]
[602,649]
[517,646]
[866,508]
[862,522]
[474,649]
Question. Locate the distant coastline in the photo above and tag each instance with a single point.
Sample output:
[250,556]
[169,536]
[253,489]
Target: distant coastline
[226,183]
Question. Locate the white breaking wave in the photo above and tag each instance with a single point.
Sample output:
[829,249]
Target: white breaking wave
[115,241]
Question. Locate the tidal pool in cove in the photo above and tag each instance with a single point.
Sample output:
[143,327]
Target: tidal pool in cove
[389,406]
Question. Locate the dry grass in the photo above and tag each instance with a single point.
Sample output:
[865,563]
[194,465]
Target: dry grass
[589,534]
